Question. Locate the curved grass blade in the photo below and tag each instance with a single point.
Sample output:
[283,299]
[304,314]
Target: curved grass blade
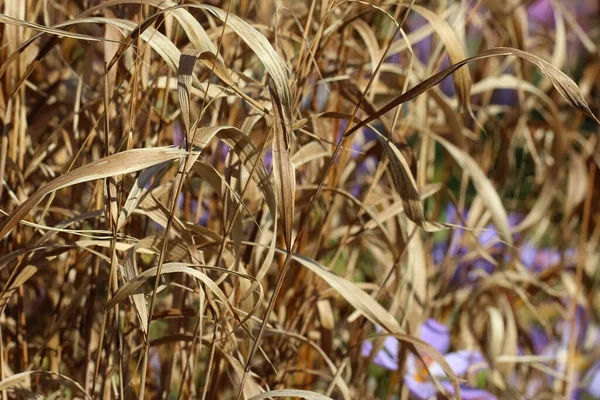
[116,164]
[561,82]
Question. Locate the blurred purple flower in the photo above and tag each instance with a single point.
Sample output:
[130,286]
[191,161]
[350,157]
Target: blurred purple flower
[363,170]
[505,97]
[541,10]
[587,337]
[367,165]
[203,218]
[534,258]
[155,366]
[268,159]
[423,47]
[341,129]
[539,339]
[180,201]
[221,154]
[318,96]
[537,260]
[487,239]
[178,135]
[541,20]
[394,58]
[204,214]
[590,385]
[417,379]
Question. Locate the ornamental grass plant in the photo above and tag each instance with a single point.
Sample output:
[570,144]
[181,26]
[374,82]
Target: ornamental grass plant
[319,199]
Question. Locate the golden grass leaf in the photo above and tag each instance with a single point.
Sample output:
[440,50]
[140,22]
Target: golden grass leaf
[562,83]
[462,78]
[130,272]
[5,19]
[576,184]
[139,191]
[193,29]
[284,174]
[251,387]
[495,337]
[263,50]
[403,180]
[116,164]
[303,394]
[167,50]
[23,379]
[157,212]
[370,40]
[46,250]
[27,272]
[134,284]
[187,61]
[309,152]
[540,208]
[215,91]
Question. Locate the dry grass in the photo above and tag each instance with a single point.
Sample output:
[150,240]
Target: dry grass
[220,200]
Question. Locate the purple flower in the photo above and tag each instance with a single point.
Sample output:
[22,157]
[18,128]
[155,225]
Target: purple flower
[541,17]
[504,97]
[417,379]
[368,163]
[590,384]
[458,248]
[539,339]
[318,97]
[534,258]
[204,214]
[178,135]
[193,205]
[341,129]
[221,154]
[155,366]
[537,260]
[363,170]
[541,10]
[555,349]
[180,201]
[268,159]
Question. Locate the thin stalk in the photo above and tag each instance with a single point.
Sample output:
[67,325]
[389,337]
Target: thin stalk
[571,352]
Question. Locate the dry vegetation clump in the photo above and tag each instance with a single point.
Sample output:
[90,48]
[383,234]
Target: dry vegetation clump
[314,199]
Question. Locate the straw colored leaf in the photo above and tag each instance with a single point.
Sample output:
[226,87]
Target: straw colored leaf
[139,191]
[193,29]
[284,174]
[116,164]
[24,378]
[462,78]
[130,272]
[27,272]
[133,285]
[5,19]
[303,394]
[562,83]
